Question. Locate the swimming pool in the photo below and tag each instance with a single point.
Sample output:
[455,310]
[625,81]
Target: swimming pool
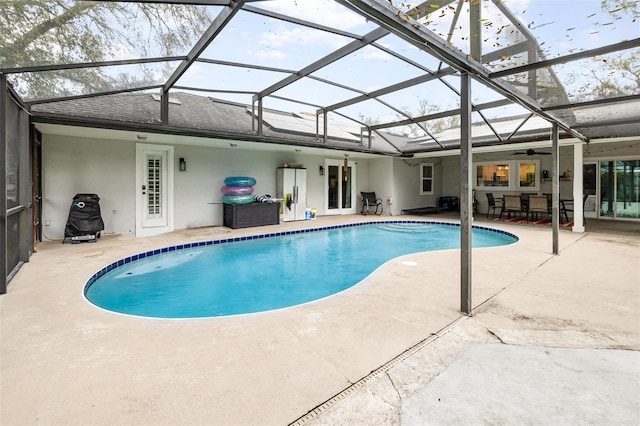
[266,272]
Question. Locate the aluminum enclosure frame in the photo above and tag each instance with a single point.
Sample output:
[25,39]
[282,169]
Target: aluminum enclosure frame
[389,20]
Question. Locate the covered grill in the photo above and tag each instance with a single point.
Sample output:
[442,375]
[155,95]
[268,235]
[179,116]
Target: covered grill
[85,220]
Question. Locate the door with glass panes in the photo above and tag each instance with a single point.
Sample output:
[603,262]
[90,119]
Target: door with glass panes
[340,187]
[154,187]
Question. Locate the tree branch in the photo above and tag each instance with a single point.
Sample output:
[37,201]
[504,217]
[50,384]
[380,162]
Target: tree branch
[20,44]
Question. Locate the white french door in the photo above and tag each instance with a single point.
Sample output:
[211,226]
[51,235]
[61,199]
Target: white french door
[154,189]
[340,187]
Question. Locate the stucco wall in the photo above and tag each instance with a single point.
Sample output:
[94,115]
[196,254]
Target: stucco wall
[197,191]
[406,175]
[450,182]
[74,165]
[107,167]
[544,186]
[381,182]
[447,174]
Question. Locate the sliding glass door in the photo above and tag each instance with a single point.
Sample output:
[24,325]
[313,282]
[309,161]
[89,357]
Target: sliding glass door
[620,189]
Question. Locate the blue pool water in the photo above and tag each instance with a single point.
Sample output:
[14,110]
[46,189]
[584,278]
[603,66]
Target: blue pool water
[263,273]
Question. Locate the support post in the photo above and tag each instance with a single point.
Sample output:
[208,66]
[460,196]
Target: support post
[555,185]
[325,127]
[466,202]
[578,190]
[260,117]
[164,107]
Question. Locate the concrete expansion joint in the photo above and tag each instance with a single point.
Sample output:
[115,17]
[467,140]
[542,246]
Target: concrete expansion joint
[397,407]
[494,334]
[393,385]
[440,357]
[395,403]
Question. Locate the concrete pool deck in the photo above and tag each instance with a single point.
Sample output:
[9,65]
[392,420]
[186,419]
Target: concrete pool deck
[392,350]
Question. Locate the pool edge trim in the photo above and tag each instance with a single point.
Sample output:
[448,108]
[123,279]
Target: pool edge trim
[163,250]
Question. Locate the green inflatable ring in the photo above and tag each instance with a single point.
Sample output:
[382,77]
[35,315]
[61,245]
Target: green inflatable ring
[238,199]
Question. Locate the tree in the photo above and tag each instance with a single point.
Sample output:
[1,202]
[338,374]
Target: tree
[39,32]
[615,8]
[617,74]
[433,126]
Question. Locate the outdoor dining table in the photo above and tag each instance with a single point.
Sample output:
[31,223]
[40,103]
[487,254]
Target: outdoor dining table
[565,205]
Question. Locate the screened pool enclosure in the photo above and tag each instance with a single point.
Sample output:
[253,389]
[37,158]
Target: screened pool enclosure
[477,80]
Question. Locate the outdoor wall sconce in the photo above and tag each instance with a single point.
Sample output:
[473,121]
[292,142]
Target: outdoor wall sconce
[183,165]
[321,171]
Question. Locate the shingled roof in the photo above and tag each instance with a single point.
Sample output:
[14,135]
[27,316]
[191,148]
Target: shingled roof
[203,116]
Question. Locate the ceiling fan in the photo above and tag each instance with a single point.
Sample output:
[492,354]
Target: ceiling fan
[531,152]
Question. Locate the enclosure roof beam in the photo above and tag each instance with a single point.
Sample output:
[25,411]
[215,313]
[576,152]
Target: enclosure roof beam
[429,117]
[332,57]
[623,45]
[443,114]
[92,95]
[301,22]
[507,51]
[403,26]
[209,35]
[607,123]
[393,88]
[245,66]
[60,67]
[604,101]
[534,49]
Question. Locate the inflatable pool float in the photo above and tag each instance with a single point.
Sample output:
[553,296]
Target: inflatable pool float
[236,190]
[238,199]
[239,181]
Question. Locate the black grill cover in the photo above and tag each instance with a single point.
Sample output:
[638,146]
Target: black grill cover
[84,216]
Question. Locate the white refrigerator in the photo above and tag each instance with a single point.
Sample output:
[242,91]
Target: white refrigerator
[291,188]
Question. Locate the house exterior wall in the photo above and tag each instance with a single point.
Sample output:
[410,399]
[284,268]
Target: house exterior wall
[72,165]
[449,184]
[451,174]
[450,177]
[381,182]
[107,167]
[406,176]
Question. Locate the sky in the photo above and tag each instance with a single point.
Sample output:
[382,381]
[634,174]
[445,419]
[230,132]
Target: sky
[561,26]
[564,26]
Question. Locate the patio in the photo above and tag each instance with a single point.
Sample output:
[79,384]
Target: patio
[66,362]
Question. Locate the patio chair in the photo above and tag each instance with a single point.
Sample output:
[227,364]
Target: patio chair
[524,203]
[538,204]
[370,203]
[493,203]
[512,204]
